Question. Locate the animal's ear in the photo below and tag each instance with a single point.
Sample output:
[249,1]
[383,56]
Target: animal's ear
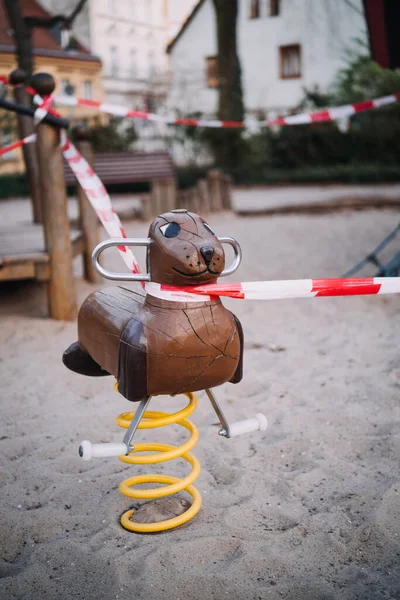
[120,242]
[238,255]
[208,228]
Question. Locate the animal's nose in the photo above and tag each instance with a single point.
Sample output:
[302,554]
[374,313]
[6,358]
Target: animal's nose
[207,253]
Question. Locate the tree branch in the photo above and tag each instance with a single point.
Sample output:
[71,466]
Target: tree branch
[22,35]
[78,8]
[52,21]
[33,22]
[355,8]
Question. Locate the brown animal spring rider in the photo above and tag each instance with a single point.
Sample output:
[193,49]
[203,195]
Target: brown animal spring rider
[156,344]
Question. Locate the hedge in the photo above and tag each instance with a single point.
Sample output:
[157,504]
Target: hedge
[16,185]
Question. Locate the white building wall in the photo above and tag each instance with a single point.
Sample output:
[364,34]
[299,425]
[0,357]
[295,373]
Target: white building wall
[130,36]
[177,12]
[325,29]
[188,91]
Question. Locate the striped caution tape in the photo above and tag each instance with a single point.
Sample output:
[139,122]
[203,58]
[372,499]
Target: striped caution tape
[280,290]
[28,140]
[337,113]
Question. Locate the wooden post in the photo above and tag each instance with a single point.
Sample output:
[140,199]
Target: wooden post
[214,187]
[163,196]
[145,213]
[193,200]
[183,199]
[87,216]
[157,189]
[203,196]
[226,192]
[25,128]
[179,202]
[171,192]
[188,200]
[61,286]
[196,203]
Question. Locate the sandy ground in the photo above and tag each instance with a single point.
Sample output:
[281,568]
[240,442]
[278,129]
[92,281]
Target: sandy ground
[308,510]
[245,199]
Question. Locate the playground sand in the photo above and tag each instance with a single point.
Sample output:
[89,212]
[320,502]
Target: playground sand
[310,509]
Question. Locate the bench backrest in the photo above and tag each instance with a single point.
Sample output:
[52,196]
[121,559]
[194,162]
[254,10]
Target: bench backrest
[128,167]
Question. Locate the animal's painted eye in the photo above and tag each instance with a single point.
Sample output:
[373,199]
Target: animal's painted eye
[170,230]
[206,226]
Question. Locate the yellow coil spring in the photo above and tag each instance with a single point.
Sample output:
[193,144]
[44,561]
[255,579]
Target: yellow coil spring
[153,419]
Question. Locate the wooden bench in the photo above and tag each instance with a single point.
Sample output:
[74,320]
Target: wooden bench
[23,252]
[155,168]
[129,167]
[210,195]
[45,251]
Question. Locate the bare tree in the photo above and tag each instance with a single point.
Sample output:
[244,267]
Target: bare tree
[22,27]
[230,105]
[227,144]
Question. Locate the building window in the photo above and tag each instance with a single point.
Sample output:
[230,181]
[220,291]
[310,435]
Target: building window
[290,61]
[114,60]
[111,7]
[87,90]
[212,71]
[274,8]
[254,9]
[67,87]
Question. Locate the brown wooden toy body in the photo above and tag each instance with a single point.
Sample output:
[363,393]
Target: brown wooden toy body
[155,346]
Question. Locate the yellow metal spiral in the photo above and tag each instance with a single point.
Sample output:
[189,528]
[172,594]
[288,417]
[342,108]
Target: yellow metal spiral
[164,452]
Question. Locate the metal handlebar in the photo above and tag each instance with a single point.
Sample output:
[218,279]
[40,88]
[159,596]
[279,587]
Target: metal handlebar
[147,242]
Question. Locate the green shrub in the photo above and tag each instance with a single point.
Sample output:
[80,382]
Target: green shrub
[373,137]
[13,185]
[118,135]
[188,176]
[363,79]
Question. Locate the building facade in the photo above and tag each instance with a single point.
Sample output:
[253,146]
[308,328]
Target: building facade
[130,36]
[75,70]
[284,46]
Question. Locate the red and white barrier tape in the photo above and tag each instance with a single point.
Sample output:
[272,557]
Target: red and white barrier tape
[331,114]
[40,113]
[43,108]
[91,184]
[28,140]
[257,290]
[99,199]
[335,113]
[279,290]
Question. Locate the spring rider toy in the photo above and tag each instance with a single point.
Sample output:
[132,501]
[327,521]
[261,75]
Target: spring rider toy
[155,344]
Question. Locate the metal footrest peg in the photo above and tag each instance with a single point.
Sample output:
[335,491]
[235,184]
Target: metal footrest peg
[257,423]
